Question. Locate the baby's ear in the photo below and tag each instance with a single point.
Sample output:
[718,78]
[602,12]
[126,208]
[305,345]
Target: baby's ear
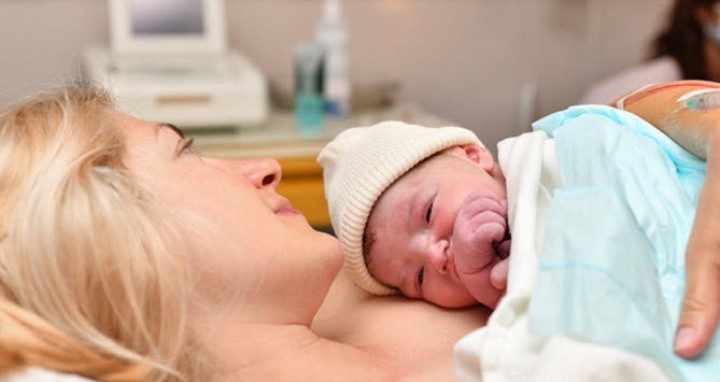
[479,155]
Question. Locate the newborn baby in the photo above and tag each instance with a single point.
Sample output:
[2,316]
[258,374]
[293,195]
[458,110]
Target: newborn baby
[420,211]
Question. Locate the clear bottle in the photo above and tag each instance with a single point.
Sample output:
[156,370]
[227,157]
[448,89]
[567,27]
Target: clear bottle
[332,33]
[309,106]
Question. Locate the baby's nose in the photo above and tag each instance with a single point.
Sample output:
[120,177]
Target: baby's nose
[437,257]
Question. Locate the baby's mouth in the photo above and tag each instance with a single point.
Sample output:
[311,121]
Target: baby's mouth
[451,263]
[502,247]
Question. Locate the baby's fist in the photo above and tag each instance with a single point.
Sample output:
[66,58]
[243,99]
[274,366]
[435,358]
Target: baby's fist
[480,226]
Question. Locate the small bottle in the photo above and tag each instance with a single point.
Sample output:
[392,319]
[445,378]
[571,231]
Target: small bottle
[309,104]
[332,32]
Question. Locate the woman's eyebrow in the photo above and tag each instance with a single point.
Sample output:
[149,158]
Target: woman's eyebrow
[172,127]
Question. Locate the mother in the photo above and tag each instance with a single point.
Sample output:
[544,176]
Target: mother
[125,255]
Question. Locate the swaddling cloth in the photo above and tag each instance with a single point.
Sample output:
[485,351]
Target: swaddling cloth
[594,289]
[612,268]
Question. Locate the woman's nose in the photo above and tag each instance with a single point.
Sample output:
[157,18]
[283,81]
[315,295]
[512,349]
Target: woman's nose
[436,256]
[262,172]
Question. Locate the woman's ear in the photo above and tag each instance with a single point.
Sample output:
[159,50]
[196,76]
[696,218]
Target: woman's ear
[475,153]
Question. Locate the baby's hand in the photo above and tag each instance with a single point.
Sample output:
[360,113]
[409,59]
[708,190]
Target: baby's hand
[479,243]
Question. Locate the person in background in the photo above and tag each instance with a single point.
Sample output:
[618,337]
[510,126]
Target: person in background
[688,48]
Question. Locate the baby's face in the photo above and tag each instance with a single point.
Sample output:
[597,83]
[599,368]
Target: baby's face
[413,223]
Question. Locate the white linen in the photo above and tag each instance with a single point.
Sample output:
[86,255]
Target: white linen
[505,350]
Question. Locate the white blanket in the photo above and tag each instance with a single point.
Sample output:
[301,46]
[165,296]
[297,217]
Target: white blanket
[505,350]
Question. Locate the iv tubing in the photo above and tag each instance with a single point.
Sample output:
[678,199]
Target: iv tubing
[642,92]
[701,100]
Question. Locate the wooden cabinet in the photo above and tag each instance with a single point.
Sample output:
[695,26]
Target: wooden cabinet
[302,184]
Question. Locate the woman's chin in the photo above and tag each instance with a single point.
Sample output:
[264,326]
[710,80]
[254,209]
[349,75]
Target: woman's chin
[335,253]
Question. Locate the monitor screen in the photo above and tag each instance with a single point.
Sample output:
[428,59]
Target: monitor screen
[167,26]
[167,17]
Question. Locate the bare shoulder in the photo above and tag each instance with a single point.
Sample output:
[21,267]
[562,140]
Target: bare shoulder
[419,334]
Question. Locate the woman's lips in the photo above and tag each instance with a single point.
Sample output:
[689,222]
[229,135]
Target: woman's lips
[285,208]
[289,211]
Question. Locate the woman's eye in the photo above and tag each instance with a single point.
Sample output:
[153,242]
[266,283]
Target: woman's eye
[428,214]
[187,146]
[421,276]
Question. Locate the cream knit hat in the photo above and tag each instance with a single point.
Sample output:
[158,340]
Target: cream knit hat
[359,164]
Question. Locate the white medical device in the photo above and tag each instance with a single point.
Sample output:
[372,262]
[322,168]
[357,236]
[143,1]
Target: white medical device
[169,62]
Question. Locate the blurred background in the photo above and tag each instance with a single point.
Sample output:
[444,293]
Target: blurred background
[489,65]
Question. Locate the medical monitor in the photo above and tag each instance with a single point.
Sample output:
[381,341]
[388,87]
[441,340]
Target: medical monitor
[167,26]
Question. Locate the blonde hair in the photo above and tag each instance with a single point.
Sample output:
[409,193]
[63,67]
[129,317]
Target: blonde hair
[87,284]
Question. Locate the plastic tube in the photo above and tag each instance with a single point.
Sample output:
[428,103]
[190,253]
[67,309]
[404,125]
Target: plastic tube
[650,89]
[701,100]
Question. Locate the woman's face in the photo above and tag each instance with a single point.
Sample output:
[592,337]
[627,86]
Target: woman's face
[244,241]
[708,14]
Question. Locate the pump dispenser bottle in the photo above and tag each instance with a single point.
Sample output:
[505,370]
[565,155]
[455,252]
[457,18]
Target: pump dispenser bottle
[309,106]
[332,34]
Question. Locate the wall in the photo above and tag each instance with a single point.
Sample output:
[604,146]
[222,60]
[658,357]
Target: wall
[471,61]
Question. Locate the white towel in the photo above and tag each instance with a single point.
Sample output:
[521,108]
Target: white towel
[504,350]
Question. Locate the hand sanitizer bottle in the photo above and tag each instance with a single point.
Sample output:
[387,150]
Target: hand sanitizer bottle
[332,34]
[309,106]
